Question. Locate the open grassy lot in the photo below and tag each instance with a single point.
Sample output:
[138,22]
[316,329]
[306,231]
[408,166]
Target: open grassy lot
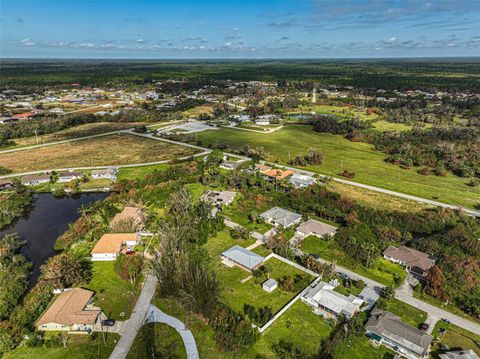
[164,339]
[113,294]
[382,271]
[360,347]
[409,314]
[236,293]
[95,183]
[102,151]
[87,129]
[222,241]
[383,125]
[454,338]
[78,347]
[205,109]
[369,165]
[139,172]
[298,325]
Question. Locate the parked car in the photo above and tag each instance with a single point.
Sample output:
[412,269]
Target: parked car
[108,322]
[424,327]
[448,321]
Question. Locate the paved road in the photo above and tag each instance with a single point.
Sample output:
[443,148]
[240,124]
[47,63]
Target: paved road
[136,320]
[155,315]
[436,312]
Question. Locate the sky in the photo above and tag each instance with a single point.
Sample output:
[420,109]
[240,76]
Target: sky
[189,29]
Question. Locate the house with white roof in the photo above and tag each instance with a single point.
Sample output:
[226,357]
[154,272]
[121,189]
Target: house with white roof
[109,173]
[242,258]
[281,217]
[330,304]
[299,180]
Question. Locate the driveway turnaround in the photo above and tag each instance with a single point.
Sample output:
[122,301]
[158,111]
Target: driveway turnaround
[136,320]
[155,315]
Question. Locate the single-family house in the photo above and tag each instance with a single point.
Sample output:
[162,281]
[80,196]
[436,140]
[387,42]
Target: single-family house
[416,262]
[459,354]
[269,285]
[369,296]
[109,173]
[299,180]
[71,311]
[243,258]
[130,215]
[262,167]
[31,180]
[281,217]
[276,174]
[315,228]
[218,198]
[230,165]
[388,329]
[68,176]
[5,184]
[325,301]
[110,245]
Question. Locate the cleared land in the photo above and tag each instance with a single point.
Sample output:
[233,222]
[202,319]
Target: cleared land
[87,129]
[119,149]
[369,165]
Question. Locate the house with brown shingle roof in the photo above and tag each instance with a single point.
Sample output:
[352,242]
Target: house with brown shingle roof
[416,262]
[315,228]
[35,179]
[110,245]
[5,184]
[70,312]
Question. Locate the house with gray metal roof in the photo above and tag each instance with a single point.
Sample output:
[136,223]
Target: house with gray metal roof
[459,354]
[243,258]
[388,329]
[281,217]
[299,180]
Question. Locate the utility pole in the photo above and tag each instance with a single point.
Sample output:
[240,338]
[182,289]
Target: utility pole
[36,137]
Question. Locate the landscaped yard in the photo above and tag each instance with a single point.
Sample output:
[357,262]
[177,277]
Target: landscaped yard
[454,338]
[101,151]
[95,183]
[78,347]
[369,165]
[157,338]
[382,271]
[409,314]
[236,293]
[113,294]
[360,347]
[223,241]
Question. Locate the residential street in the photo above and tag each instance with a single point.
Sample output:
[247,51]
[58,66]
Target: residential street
[136,320]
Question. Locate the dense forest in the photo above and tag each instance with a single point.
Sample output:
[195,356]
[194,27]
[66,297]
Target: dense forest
[387,74]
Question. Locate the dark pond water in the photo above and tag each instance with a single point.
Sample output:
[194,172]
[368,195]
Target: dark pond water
[45,222]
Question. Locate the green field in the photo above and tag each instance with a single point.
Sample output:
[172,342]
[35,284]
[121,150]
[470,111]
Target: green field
[455,338]
[340,153]
[158,338]
[78,347]
[113,294]
[382,270]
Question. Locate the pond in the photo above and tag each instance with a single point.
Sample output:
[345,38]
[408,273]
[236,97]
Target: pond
[46,220]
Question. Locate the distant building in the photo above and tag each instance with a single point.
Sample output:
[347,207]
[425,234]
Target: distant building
[388,329]
[31,180]
[315,228]
[218,198]
[269,285]
[416,262]
[323,298]
[129,215]
[276,174]
[262,168]
[243,258]
[301,181]
[69,176]
[230,165]
[109,173]
[459,354]
[71,311]
[281,217]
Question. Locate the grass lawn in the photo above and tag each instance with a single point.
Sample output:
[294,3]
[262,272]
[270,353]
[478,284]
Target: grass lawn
[360,347]
[223,241]
[164,338]
[305,329]
[454,338]
[382,271]
[95,183]
[369,165]
[236,294]
[409,314]
[79,347]
[101,151]
[84,130]
[383,126]
[113,294]
[139,172]
[204,109]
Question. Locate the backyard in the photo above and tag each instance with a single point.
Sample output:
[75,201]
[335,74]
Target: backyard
[369,165]
[101,151]
[453,337]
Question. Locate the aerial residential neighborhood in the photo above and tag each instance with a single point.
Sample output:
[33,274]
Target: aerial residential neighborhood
[239,179]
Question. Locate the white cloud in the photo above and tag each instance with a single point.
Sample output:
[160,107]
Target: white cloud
[27,42]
